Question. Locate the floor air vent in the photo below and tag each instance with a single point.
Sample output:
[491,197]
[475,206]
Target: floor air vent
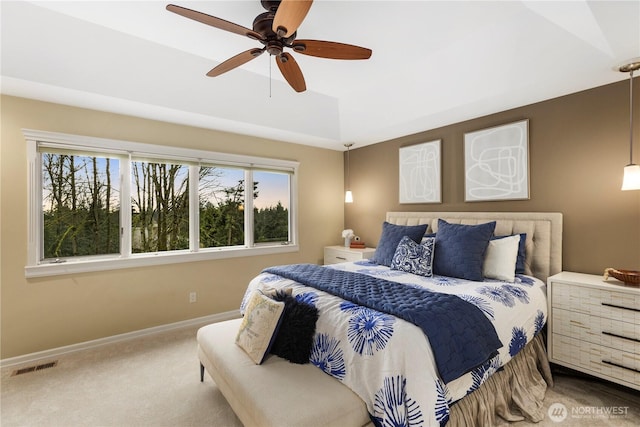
[34,368]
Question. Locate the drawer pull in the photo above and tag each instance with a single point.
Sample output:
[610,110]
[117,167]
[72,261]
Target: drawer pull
[620,336]
[341,257]
[620,366]
[620,306]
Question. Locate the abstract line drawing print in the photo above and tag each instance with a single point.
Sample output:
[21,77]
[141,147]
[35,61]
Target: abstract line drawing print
[420,173]
[496,163]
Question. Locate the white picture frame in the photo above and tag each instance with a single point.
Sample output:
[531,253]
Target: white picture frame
[420,167]
[496,163]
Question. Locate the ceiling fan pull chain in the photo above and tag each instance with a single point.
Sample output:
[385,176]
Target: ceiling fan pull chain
[269,76]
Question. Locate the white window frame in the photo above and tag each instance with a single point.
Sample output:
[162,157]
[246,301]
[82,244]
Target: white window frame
[36,267]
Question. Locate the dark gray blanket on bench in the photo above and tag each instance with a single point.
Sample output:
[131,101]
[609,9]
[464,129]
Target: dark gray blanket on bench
[461,336]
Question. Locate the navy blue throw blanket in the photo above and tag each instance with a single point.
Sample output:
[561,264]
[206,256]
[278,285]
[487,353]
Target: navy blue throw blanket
[461,336]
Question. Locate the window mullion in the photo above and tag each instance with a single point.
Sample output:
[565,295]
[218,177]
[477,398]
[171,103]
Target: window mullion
[293,208]
[126,207]
[194,208]
[248,208]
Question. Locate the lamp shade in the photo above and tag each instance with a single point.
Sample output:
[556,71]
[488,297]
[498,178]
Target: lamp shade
[348,197]
[631,180]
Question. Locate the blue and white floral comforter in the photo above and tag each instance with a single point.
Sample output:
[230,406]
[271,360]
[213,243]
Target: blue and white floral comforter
[389,363]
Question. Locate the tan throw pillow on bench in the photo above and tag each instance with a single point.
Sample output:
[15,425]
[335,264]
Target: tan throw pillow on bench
[259,326]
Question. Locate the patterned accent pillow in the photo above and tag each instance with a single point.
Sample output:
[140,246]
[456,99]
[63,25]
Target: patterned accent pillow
[426,236]
[390,238]
[413,257]
[259,326]
[460,249]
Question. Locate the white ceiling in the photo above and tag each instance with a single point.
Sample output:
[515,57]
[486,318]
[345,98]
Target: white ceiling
[434,62]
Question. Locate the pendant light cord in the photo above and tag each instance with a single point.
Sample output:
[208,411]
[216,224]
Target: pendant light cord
[348,196]
[348,170]
[631,118]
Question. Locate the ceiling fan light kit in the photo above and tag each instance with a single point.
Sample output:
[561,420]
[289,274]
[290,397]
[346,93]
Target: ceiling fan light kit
[276,30]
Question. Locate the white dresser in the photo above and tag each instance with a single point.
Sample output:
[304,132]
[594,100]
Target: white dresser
[594,326]
[336,254]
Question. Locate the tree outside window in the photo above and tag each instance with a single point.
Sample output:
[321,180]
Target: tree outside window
[81,209]
[81,206]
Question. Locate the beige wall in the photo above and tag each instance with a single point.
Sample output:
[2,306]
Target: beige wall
[46,313]
[578,146]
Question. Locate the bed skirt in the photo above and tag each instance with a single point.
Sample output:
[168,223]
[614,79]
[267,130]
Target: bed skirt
[514,393]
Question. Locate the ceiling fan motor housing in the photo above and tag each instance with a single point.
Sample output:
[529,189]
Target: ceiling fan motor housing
[263,24]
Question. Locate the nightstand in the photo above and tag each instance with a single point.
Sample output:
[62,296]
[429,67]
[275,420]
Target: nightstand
[594,326]
[336,254]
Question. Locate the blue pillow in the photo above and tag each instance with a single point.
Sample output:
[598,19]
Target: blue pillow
[391,236]
[460,249]
[522,252]
[413,257]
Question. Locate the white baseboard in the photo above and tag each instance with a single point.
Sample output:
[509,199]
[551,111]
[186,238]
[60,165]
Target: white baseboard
[55,352]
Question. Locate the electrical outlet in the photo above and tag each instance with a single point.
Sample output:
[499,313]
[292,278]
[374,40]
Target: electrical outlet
[193,297]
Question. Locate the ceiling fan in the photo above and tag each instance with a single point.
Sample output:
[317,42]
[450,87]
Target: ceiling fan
[276,29]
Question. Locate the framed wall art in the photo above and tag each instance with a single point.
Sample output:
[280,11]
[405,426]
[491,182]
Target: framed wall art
[496,163]
[420,173]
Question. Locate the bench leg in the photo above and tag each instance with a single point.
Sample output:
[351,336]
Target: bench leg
[201,373]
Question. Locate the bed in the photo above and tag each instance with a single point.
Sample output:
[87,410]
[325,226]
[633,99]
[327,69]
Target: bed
[479,353]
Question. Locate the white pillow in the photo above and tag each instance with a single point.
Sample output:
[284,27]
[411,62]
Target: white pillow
[259,326]
[500,258]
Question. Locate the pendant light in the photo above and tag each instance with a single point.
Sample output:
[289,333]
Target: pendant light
[631,180]
[348,195]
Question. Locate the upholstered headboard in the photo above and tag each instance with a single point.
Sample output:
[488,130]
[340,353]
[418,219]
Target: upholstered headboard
[544,233]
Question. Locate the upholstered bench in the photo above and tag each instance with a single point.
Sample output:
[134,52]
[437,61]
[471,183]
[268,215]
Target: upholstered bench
[276,393]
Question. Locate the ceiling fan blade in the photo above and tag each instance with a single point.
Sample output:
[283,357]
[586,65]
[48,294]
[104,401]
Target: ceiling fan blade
[235,61]
[291,72]
[331,50]
[289,16]
[214,22]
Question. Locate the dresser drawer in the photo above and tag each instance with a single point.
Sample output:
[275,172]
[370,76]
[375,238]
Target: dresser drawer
[337,254]
[335,257]
[605,303]
[610,333]
[621,366]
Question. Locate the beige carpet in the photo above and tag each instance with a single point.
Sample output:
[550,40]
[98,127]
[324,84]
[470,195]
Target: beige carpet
[154,381]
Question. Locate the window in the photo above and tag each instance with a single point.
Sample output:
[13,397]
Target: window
[159,206]
[98,204]
[80,205]
[221,194]
[270,207]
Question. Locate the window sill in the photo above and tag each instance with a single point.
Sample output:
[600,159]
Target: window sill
[146,260]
